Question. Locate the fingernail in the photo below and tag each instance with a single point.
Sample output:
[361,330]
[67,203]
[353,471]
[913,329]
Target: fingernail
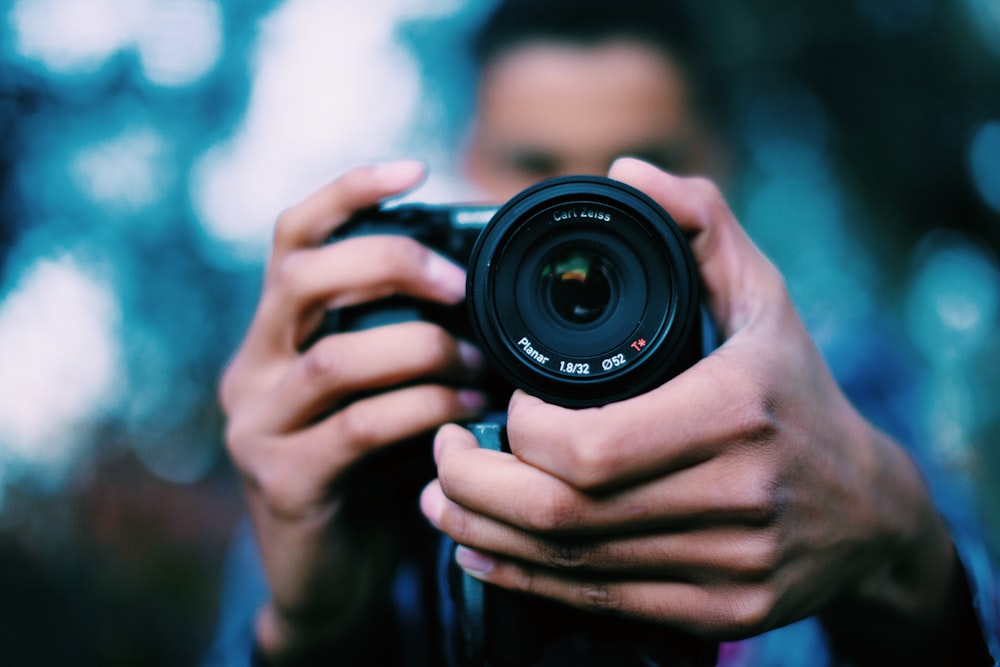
[448,276]
[443,434]
[473,401]
[474,562]
[400,174]
[471,356]
[432,504]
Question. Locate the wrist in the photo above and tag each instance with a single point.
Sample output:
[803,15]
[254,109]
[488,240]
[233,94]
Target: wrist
[283,643]
[330,599]
[911,604]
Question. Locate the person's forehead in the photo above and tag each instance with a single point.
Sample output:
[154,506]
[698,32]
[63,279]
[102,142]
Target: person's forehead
[548,58]
[547,87]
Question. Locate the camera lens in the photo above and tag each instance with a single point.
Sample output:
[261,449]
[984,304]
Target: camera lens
[582,291]
[577,286]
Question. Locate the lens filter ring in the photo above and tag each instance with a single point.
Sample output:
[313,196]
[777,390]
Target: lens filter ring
[582,291]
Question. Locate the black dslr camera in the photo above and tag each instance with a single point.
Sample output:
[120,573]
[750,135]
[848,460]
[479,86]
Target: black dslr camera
[581,291]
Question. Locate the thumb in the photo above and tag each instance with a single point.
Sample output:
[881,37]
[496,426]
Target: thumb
[740,280]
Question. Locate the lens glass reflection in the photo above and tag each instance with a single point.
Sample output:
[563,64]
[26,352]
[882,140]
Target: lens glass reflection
[577,286]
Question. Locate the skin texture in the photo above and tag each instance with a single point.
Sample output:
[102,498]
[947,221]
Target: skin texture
[740,496]
[295,431]
[547,110]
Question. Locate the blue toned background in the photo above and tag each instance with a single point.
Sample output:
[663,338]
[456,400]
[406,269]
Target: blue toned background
[146,147]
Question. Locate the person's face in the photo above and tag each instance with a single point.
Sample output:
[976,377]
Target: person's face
[549,110]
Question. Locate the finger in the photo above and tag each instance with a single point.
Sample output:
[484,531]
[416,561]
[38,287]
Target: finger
[734,490]
[720,404]
[339,367]
[366,267]
[347,273]
[715,554]
[724,612]
[738,277]
[294,472]
[312,221]
[362,426]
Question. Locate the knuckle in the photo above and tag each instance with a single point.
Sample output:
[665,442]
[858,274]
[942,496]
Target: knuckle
[241,380]
[454,523]
[434,403]
[760,557]
[559,512]
[705,188]
[402,252]
[286,225]
[566,554]
[228,390]
[524,579]
[600,597]
[237,439]
[757,414]
[321,363]
[436,345]
[757,497]
[281,497]
[709,196]
[249,446]
[288,487]
[746,612]
[740,613]
[761,419]
[355,428]
[287,274]
[592,462]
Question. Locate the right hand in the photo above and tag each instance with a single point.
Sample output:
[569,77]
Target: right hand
[300,421]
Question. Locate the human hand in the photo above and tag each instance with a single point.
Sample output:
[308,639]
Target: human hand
[300,422]
[742,495]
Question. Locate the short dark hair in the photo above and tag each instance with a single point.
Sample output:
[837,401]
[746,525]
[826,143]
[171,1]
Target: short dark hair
[669,25]
[676,28]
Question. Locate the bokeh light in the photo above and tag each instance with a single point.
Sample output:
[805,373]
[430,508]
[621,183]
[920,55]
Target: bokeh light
[984,161]
[953,312]
[300,125]
[177,41]
[786,129]
[893,16]
[61,361]
[984,17]
[147,146]
[67,37]
[954,304]
[128,172]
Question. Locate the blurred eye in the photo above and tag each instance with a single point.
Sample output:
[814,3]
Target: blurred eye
[533,163]
[668,159]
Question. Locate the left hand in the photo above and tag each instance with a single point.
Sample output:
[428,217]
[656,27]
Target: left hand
[742,495]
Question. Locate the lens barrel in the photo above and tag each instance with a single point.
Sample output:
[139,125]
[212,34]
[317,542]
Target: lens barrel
[583,291]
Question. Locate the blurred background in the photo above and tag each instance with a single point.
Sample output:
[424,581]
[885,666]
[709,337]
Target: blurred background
[146,147]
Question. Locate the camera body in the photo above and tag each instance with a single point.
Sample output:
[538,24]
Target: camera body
[450,230]
[582,291]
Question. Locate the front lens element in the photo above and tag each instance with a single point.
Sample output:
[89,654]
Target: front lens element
[578,287]
[582,291]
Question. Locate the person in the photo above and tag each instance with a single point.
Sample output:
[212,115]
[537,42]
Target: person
[745,499]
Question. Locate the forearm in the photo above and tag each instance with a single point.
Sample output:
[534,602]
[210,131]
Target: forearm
[322,641]
[915,606]
[342,607]
[869,632]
